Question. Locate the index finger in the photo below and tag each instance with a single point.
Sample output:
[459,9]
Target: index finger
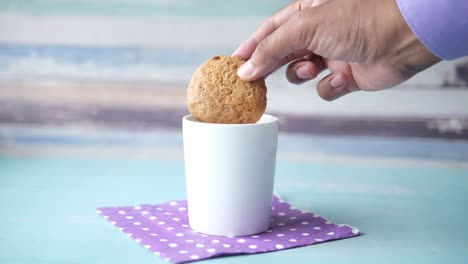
[247,47]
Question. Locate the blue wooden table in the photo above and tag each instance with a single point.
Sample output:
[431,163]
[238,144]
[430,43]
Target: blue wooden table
[408,196]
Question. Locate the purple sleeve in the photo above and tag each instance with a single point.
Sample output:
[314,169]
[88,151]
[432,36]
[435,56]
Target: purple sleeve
[441,25]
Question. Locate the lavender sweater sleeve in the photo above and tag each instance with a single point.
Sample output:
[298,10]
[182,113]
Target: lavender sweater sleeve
[441,25]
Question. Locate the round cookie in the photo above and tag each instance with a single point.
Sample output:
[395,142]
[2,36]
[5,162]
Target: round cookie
[217,95]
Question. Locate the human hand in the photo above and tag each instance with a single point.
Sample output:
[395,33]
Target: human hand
[366,45]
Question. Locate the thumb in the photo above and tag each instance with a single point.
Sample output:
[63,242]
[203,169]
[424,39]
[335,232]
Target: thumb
[280,47]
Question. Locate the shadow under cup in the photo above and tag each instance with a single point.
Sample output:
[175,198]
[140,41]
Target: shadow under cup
[230,171]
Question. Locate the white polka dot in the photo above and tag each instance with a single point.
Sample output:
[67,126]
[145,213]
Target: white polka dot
[113,222]
[169,228]
[184,225]
[144,212]
[189,241]
[292,208]
[211,250]
[173,245]
[144,228]
[281,201]
[152,217]
[241,240]
[255,236]
[159,209]
[176,219]
[304,223]
[226,245]
[328,222]
[152,234]
[267,240]
[179,234]
[167,259]
[183,251]
[98,211]
[167,213]
[129,217]
[317,228]
[199,245]
[157,253]
[355,230]
[331,233]
[318,239]
[147,246]
[138,240]
[281,214]
[292,240]
[106,216]
[194,257]
[182,209]
[161,223]
[279,246]
[136,223]
[173,203]
[280,235]
[137,207]
[163,240]
[216,241]
[129,234]
[121,228]
[273,208]
[316,216]
[292,229]
[269,231]
[292,217]
[304,212]
[253,246]
[280,224]
[305,234]
[121,212]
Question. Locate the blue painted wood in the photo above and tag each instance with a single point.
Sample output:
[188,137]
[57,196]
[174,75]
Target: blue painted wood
[409,213]
[437,150]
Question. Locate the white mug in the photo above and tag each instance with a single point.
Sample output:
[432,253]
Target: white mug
[230,171]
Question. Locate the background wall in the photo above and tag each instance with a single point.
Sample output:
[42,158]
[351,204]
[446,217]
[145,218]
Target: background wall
[127,63]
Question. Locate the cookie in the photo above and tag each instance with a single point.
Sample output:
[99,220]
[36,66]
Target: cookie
[217,95]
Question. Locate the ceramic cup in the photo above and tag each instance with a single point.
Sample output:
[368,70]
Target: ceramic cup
[230,171]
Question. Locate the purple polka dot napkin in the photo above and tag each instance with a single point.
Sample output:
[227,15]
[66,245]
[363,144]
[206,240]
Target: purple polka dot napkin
[164,230]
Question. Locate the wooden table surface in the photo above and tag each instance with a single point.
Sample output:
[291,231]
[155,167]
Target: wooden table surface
[408,196]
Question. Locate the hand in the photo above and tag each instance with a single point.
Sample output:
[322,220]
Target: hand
[366,45]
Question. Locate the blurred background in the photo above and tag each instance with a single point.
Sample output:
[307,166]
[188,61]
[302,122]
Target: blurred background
[92,93]
[99,73]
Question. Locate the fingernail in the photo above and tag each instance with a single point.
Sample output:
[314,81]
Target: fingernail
[337,81]
[303,73]
[236,51]
[246,70]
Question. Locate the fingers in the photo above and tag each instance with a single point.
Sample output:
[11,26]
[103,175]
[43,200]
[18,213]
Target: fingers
[246,49]
[305,69]
[338,83]
[273,51]
[332,87]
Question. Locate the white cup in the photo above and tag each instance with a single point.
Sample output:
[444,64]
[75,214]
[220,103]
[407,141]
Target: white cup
[230,171]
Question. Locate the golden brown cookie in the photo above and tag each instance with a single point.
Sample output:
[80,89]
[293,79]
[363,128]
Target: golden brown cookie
[217,95]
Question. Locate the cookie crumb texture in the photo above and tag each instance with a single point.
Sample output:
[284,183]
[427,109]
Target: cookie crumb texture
[217,95]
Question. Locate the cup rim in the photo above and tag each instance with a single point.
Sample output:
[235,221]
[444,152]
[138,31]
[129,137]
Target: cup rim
[271,119]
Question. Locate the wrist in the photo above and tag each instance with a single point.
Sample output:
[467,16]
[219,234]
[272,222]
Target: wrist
[406,52]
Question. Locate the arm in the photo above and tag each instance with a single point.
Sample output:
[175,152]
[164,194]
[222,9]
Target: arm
[441,25]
